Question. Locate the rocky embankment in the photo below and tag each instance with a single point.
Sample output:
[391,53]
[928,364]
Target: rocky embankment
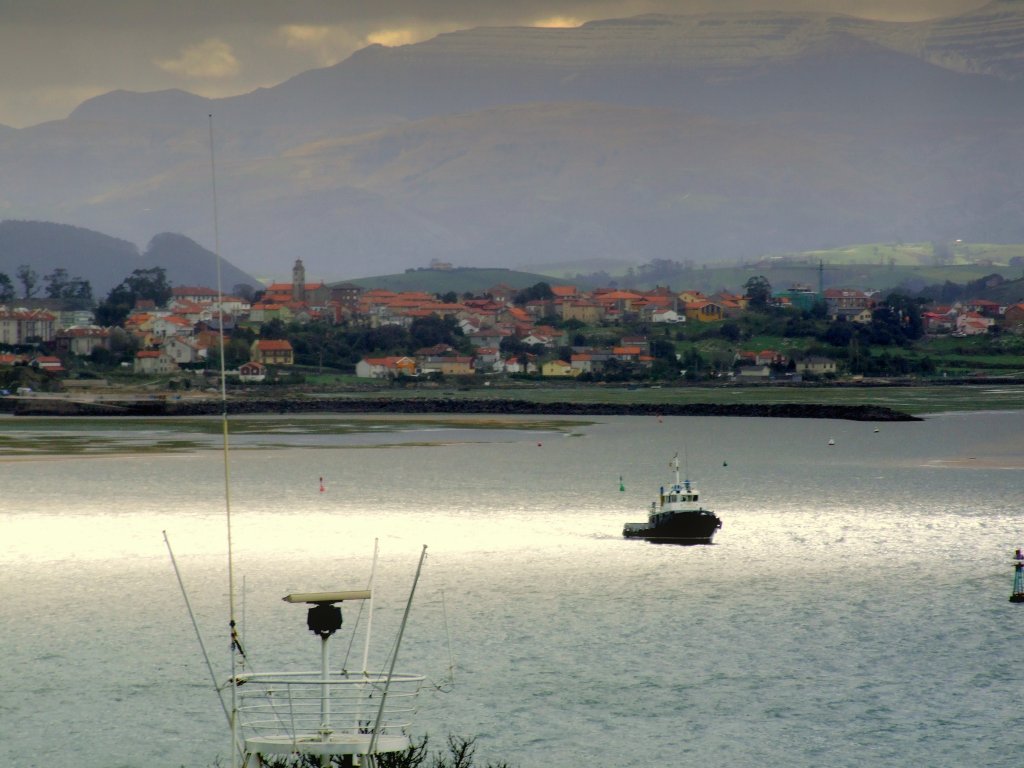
[192,407]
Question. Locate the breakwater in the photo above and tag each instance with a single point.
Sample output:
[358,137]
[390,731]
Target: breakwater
[239,406]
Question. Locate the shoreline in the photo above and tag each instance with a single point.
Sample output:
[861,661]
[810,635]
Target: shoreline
[207,407]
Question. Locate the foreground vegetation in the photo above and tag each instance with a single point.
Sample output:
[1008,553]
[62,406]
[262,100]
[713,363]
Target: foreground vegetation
[461,753]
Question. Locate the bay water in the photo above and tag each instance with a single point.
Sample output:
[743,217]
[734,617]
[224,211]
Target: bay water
[853,609]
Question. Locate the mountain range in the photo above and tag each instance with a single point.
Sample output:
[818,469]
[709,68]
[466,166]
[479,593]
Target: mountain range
[710,138]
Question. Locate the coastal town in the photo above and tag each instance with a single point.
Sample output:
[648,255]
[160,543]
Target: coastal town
[536,331]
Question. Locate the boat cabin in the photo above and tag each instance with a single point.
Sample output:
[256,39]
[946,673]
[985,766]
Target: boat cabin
[679,493]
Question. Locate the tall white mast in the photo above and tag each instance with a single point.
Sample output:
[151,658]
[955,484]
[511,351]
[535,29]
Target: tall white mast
[372,751]
[232,624]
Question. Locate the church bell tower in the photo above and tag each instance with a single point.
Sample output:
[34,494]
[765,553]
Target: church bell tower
[299,282]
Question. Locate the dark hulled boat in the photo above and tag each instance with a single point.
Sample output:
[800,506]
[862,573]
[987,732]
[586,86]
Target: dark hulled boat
[677,517]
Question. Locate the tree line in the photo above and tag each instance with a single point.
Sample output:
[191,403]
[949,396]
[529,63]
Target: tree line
[74,291]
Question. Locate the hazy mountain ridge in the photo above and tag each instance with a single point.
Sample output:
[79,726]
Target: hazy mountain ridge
[713,42]
[719,136]
[988,41]
[594,61]
[688,62]
[104,261]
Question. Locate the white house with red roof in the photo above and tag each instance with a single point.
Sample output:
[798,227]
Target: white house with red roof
[172,325]
[983,307]
[583,362]
[534,339]
[185,351]
[488,358]
[20,326]
[385,367]
[939,320]
[488,337]
[972,324]
[513,365]
[83,339]
[768,357]
[47,363]
[196,294]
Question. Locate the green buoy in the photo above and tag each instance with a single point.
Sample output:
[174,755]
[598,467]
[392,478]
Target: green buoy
[1018,578]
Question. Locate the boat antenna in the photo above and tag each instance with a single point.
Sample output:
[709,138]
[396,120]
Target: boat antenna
[374,738]
[236,645]
[195,626]
[359,615]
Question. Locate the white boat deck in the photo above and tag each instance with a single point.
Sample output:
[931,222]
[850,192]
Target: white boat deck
[303,712]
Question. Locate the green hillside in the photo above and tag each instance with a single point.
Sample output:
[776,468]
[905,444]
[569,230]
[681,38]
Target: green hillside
[461,280]
[883,267]
[880,266]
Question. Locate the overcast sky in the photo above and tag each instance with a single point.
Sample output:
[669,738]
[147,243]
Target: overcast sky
[55,54]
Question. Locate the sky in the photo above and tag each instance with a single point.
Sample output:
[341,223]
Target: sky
[55,54]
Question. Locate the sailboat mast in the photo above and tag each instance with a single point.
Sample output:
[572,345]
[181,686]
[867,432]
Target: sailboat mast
[235,644]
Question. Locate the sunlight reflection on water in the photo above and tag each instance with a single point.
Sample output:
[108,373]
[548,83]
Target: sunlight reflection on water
[854,603]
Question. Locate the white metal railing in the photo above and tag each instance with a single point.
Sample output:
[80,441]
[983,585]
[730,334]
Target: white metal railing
[339,713]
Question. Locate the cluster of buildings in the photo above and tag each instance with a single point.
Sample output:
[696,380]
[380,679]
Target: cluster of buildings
[489,322]
[973,317]
[183,333]
[169,338]
[970,317]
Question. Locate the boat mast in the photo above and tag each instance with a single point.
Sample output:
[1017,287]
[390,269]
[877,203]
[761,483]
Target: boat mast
[232,624]
[195,626]
[372,751]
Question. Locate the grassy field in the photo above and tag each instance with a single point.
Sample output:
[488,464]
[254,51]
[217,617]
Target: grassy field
[919,399]
[918,254]
[916,400]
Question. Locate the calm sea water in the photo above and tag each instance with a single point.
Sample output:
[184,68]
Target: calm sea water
[853,610]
